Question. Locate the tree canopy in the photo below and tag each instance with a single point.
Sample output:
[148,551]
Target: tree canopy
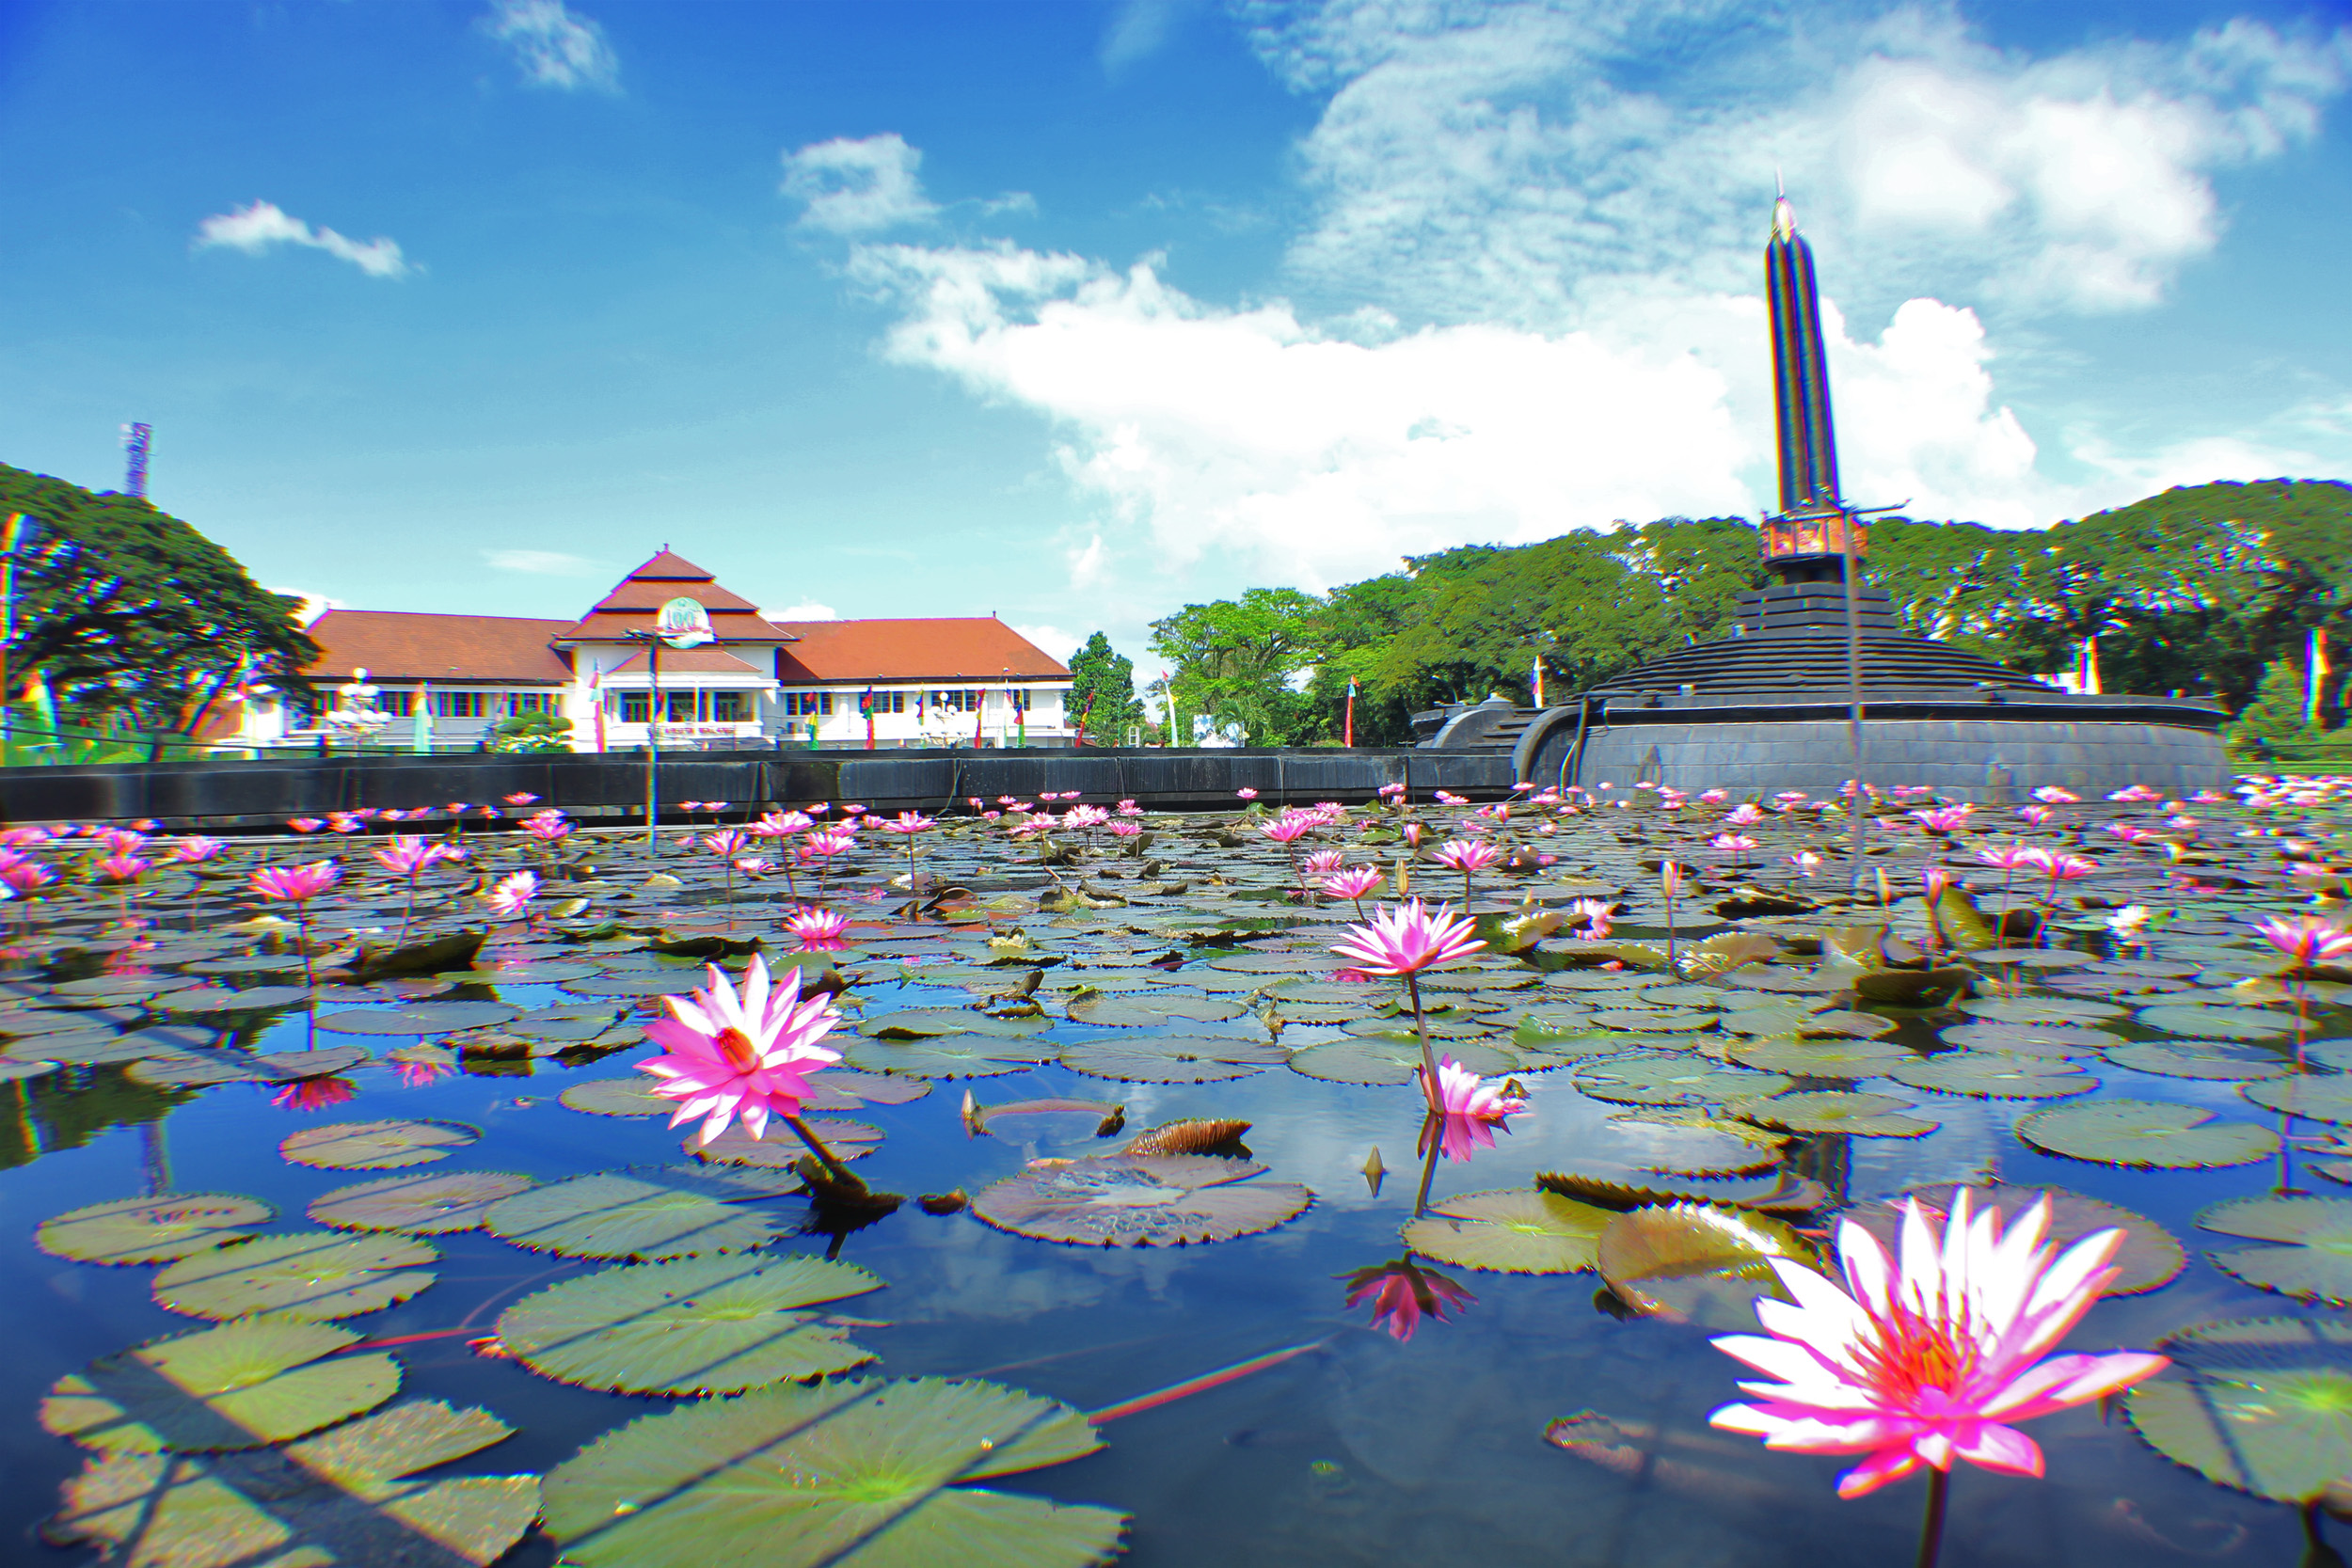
[123,609]
[1103,687]
[2202,589]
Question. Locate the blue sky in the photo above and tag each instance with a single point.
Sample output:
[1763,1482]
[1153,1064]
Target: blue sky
[1075,312]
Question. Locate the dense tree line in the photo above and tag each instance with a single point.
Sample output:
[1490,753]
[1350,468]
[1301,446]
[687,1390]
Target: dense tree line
[2211,590]
[124,613]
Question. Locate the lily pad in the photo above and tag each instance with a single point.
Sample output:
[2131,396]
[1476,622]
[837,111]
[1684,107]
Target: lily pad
[2040,1010]
[638,983]
[2261,1405]
[150,1229]
[1677,1079]
[1693,1142]
[693,1325]
[1697,1262]
[633,1096]
[1140,1201]
[338,1497]
[780,1147]
[2322,1097]
[851,1474]
[2040,1039]
[2315,1264]
[1388,1062]
[240,1385]
[1172,1058]
[194,1069]
[841,1088]
[418,1205]
[953,1056]
[214,1001]
[1511,1232]
[1992,1076]
[420,1018]
[310,1275]
[2146,1134]
[911,1023]
[627,1214]
[2218,1023]
[377,1145]
[2152,1256]
[1152,1010]
[1850,1058]
[2223,1061]
[1869,1116]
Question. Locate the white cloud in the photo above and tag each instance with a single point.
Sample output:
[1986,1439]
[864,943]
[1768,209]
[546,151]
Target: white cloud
[261,225]
[858,187]
[548,563]
[554,46]
[807,609]
[1139,29]
[313,605]
[1051,640]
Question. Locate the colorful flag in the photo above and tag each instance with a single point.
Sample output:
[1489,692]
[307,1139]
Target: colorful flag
[1347,733]
[866,706]
[596,696]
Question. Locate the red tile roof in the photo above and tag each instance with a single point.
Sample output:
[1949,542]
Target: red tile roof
[404,645]
[630,606]
[705,660]
[979,649]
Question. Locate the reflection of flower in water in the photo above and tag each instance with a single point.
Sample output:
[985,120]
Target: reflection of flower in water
[1403,1292]
[417,1075]
[1463,1112]
[314,1094]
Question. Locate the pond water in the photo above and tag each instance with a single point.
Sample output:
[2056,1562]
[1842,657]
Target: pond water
[1246,1412]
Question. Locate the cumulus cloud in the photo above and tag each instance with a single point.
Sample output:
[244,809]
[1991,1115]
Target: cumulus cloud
[261,225]
[1050,640]
[858,187]
[554,46]
[807,609]
[546,563]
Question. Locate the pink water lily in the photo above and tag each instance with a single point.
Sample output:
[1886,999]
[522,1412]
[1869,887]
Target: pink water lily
[818,930]
[296,885]
[747,1056]
[1931,1360]
[1464,1112]
[2307,941]
[1405,939]
[510,897]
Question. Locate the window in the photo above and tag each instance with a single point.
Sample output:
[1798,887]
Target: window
[636,706]
[1020,695]
[808,704]
[533,701]
[396,705]
[461,705]
[681,706]
[730,707]
[959,702]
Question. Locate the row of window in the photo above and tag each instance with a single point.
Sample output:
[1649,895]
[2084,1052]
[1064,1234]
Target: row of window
[697,706]
[682,707]
[467,704]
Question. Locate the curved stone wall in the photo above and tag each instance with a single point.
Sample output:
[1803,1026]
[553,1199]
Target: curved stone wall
[1988,760]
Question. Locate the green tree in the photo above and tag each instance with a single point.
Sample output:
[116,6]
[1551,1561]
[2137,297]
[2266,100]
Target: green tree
[1236,660]
[1103,687]
[126,610]
[532,732]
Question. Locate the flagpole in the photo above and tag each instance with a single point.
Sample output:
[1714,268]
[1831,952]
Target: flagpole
[653,742]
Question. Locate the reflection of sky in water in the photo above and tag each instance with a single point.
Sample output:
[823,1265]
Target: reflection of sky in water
[1364,1450]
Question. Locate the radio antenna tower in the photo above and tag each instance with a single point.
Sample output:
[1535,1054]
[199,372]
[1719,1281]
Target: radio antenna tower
[134,442]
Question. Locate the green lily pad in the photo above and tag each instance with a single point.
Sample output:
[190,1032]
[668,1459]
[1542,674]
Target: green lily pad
[1140,1201]
[1677,1079]
[2038,1040]
[420,1018]
[627,1214]
[1848,1058]
[780,1147]
[2224,1061]
[1691,1142]
[1992,1076]
[852,1474]
[150,1229]
[2263,1404]
[338,1497]
[1871,1115]
[1388,1062]
[913,1023]
[310,1275]
[2150,1258]
[633,1096]
[1152,1010]
[1172,1058]
[693,1325]
[2040,1010]
[2322,1097]
[214,1001]
[2316,1262]
[952,1056]
[418,1205]
[377,1145]
[1649,1020]
[242,1384]
[2145,1133]
[1697,1262]
[188,1070]
[1511,1232]
[638,983]
[1441,1026]
[2218,1023]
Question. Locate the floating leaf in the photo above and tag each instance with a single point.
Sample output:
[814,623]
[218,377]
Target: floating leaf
[2220,1060]
[2040,1010]
[310,1274]
[420,1018]
[1914,987]
[638,983]
[418,1205]
[842,1088]
[337,1497]
[1871,1115]
[1152,1010]
[782,1147]
[2145,1133]
[2316,1265]
[1822,1058]
[1694,1142]
[626,1214]
[2261,1405]
[1172,1058]
[1388,1062]
[243,1385]
[214,1001]
[911,1023]
[377,1145]
[955,1056]
[1512,1231]
[1995,1077]
[2150,1258]
[633,1096]
[1641,1079]
[192,1070]
[2039,1039]
[2322,1097]
[2218,1023]
[150,1229]
[1697,1262]
[693,1325]
[847,1473]
[1140,1201]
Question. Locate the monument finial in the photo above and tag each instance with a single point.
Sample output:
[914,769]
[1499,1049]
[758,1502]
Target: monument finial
[1813,517]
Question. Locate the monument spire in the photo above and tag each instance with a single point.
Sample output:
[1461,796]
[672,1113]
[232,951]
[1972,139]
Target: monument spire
[1808,446]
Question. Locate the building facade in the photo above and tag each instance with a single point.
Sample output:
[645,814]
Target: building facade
[447,681]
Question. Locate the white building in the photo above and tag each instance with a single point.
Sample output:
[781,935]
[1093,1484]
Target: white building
[447,680]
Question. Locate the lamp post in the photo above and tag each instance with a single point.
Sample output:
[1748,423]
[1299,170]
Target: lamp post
[681,622]
[9,532]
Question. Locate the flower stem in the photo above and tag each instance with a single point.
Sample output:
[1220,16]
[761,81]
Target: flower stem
[1931,1527]
[1434,1136]
[302,937]
[1420,1027]
[833,1167]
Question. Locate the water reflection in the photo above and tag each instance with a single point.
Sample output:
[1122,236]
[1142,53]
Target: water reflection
[1403,1292]
[67,1108]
